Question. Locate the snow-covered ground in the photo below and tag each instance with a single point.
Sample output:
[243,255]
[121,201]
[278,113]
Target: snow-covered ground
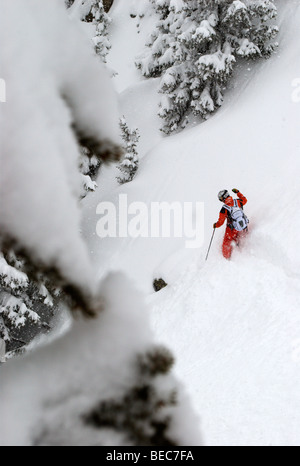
[233,326]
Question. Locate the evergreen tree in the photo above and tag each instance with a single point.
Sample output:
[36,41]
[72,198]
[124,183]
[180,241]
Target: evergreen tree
[94,11]
[27,305]
[102,21]
[106,3]
[143,414]
[29,301]
[195,47]
[130,163]
[89,166]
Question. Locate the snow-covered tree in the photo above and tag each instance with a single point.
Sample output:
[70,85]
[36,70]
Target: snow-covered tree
[106,3]
[80,9]
[130,163]
[29,303]
[89,166]
[104,383]
[141,414]
[101,20]
[27,306]
[195,47]
[40,180]
[93,11]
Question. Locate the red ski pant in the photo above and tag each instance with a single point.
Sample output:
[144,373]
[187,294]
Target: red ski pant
[231,236]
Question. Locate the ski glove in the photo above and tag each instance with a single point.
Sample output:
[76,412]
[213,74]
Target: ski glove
[215,226]
[235,191]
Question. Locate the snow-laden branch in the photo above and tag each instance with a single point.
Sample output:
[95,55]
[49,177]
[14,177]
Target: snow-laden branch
[58,93]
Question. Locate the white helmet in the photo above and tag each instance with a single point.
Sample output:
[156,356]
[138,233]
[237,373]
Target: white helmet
[223,195]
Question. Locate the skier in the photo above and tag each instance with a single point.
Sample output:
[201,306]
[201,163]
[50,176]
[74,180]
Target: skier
[237,222]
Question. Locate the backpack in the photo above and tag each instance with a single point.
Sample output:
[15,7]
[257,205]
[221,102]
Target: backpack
[236,216]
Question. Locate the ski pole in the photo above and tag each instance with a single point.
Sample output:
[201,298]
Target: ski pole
[210,243]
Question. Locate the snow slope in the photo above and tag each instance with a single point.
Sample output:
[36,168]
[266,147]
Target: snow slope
[234,326]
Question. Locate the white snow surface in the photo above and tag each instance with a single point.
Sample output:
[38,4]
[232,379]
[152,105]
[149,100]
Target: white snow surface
[133,22]
[234,326]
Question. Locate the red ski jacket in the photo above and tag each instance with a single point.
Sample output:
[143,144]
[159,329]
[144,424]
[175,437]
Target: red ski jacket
[224,212]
